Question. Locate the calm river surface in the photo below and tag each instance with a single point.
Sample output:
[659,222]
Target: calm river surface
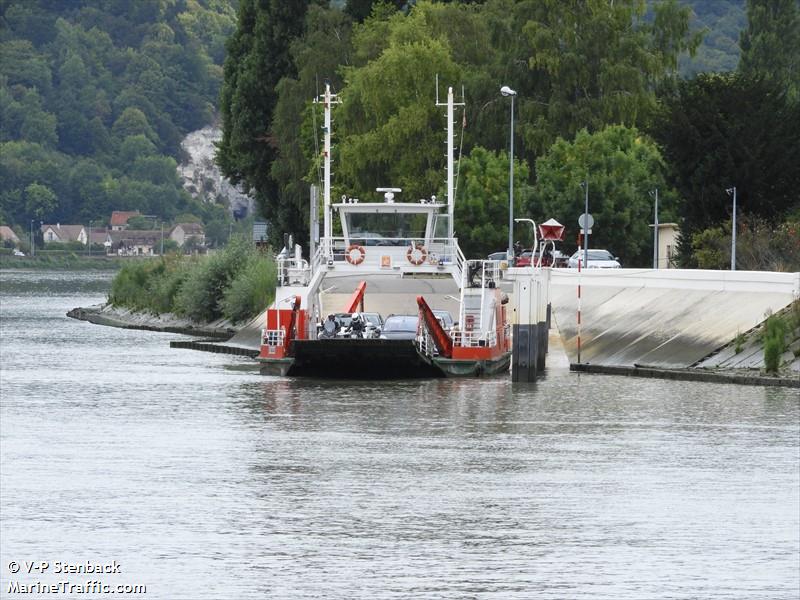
[203,479]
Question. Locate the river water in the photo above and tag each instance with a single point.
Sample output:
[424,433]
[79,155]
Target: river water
[203,479]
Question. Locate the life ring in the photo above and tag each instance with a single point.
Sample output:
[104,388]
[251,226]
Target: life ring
[360,254]
[416,255]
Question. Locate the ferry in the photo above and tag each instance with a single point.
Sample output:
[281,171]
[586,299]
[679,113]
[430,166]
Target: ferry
[391,256]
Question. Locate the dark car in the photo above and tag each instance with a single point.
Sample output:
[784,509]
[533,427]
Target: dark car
[400,327]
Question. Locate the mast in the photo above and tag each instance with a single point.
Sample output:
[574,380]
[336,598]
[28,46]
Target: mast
[327,99]
[451,201]
[450,186]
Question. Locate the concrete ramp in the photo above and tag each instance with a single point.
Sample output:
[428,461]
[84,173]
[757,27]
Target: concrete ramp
[665,318]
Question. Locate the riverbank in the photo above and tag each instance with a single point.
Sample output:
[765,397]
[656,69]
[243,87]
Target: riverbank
[106,314]
[65,262]
[738,376]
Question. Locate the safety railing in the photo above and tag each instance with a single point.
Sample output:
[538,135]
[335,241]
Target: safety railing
[293,272]
[273,337]
[474,339]
[380,252]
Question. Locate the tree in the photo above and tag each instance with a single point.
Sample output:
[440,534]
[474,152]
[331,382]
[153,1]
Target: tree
[258,57]
[40,201]
[481,210]
[599,63]
[318,53]
[771,43]
[389,126]
[622,166]
[725,130]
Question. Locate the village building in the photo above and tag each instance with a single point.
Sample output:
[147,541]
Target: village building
[119,219]
[134,242]
[183,232]
[64,233]
[667,245]
[7,234]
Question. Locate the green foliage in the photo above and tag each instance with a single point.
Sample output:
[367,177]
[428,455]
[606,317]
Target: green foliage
[775,331]
[719,131]
[481,214]
[200,296]
[721,23]
[95,97]
[40,201]
[599,63]
[389,126]
[760,245]
[770,43]
[738,342]
[258,57]
[622,166]
[252,289]
[236,283]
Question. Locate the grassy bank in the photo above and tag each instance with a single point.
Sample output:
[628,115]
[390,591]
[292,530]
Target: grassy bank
[235,283]
[63,261]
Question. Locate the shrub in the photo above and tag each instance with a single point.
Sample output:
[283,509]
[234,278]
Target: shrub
[774,342]
[252,290]
[738,342]
[200,296]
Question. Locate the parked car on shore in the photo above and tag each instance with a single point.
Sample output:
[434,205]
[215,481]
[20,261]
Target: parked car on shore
[597,259]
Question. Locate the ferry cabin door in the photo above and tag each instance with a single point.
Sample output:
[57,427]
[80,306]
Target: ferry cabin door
[437,239]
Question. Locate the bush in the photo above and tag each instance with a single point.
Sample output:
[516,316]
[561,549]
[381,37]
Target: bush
[252,290]
[200,296]
[236,282]
[774,342]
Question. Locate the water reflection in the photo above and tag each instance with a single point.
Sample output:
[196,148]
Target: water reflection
[211,481]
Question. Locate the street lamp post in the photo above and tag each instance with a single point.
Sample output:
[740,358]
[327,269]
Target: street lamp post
[507,91]
[654,193]
[733,229]
[33,247]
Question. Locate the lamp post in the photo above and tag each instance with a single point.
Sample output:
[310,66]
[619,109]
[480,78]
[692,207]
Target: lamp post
[585,186]
[507,91]
[654,194]
[33,247]
[733,228]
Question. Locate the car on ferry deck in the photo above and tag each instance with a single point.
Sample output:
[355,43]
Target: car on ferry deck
[400,327]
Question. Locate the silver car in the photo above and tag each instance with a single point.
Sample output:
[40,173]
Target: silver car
[598,259]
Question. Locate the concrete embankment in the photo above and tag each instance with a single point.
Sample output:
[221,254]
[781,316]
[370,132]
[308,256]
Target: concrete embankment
[242,339]
[664,319]
[105,314]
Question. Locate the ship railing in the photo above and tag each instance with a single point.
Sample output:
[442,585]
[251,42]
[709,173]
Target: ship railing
[480,274]
[474,339]
[426,344]
[273,337]
[293,272]
[392,252]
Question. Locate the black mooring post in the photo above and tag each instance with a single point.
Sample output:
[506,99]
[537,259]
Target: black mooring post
[525,353]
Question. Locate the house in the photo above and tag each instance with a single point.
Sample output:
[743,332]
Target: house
[183,232]
[7,234]
[100,237]
[119,219]
[134,242]
[667,245]
[64,233]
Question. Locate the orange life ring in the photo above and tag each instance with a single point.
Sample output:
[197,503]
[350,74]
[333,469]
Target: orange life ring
[359,258]
[416,255]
